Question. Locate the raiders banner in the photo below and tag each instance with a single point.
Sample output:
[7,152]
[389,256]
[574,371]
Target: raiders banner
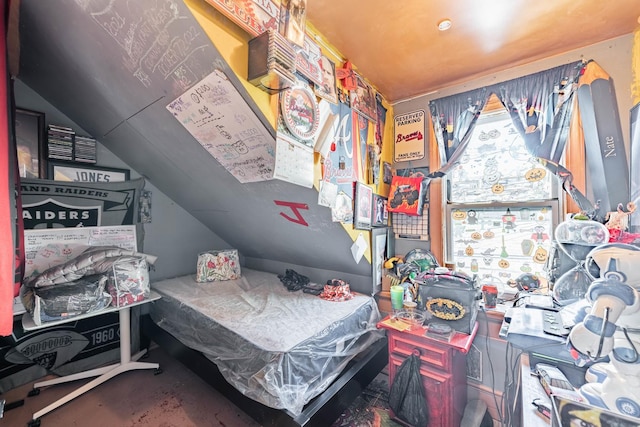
[58,204]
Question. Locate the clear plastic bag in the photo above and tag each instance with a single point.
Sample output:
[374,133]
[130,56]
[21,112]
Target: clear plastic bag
[129,281]
[407,397]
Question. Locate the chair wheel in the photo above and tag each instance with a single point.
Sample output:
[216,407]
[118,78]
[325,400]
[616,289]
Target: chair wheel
[157,371]
[34,423]
[34,392]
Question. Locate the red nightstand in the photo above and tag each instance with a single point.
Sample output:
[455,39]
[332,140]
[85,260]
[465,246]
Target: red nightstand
[443,368]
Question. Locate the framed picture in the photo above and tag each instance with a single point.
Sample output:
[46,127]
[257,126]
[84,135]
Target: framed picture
[362,207]
[387,172]
[363,99]
[379,238]
[79,172]
[30,143]
[380,213]
[327,90]
[293,16]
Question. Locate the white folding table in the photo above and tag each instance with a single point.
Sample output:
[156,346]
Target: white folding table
[128,362]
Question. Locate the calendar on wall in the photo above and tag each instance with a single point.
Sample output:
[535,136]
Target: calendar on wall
[294,161]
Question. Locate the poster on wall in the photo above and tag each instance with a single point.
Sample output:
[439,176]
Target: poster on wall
[254,17]
[410,131]
[217,116]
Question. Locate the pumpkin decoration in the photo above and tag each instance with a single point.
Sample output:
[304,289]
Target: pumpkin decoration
[497,188]
[458,215]
[540,256]
[503,263]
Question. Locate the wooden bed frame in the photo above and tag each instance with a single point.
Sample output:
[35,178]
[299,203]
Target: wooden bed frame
[321,411]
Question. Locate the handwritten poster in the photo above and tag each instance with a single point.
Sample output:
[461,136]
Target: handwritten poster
[410,131]
[217,116]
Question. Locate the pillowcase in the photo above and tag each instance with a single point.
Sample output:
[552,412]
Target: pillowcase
[218,265]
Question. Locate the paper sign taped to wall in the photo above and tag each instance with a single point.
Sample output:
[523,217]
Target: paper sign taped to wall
[219,118]
[410,134]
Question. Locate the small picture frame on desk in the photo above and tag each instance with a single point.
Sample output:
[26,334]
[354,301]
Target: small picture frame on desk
[30,143]
[80,172]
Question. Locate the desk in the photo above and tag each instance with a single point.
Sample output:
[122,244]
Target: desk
[128,362]
[530,389]
[442,369]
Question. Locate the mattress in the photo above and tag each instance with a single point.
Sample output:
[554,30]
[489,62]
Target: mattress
[277,347]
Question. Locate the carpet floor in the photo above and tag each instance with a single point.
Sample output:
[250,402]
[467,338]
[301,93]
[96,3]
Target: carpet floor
[175,398]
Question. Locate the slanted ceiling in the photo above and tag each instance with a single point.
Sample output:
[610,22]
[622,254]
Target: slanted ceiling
[69,56]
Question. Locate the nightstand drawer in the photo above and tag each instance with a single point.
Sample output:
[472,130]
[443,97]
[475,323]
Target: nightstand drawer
[431,355]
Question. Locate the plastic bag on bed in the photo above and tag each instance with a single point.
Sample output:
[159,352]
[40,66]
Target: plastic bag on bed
[62,301]
[407,396]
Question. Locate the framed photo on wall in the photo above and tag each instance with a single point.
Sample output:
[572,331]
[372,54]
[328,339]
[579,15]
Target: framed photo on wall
[327,90]
[78,172]
[30,143]
[380,213]
[362,207]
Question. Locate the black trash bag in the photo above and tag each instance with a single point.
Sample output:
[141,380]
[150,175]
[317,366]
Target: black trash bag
[407,397]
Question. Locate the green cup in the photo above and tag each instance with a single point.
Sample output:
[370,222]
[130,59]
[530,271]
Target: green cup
[397,297]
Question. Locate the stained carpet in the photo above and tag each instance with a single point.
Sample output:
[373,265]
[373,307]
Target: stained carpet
[371,408]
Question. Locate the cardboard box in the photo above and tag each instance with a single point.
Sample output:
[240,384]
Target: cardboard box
[383,299]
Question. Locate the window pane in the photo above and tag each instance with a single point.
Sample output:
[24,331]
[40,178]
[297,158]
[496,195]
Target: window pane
[496,166]
[499,243]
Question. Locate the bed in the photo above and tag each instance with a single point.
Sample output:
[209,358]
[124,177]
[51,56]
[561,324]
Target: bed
[285,358]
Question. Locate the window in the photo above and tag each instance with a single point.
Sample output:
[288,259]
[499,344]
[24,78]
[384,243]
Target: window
[501,207]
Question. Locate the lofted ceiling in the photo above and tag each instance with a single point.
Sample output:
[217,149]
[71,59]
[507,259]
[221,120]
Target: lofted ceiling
[398,48]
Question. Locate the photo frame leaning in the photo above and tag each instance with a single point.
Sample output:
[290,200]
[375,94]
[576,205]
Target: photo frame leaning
[30,143]
[363,202]
[379,245]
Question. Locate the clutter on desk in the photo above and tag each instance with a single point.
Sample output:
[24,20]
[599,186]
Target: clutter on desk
[97,278]
[443,295]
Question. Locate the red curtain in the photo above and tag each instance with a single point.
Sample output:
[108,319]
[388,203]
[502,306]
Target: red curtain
[7,198]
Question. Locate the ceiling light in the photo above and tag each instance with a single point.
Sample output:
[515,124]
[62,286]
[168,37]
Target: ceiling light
[444,25]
